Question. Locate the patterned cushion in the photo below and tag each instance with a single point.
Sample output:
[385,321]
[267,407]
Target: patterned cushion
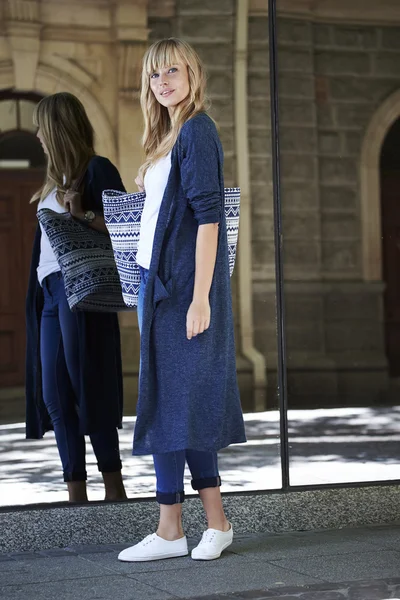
[122,213]
[86,260]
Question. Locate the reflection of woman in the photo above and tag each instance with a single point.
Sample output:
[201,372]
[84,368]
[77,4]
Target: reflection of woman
[188,405]
[74,374]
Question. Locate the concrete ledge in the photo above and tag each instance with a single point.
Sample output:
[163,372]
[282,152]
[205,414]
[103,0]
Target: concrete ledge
[41,528]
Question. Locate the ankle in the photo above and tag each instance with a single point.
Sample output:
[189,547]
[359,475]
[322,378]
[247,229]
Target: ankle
[115,495]
[170,533]
[170,523]
[114,486]
[219,524]
[77,491]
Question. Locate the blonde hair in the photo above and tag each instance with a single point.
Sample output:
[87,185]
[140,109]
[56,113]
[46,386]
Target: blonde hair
[160,130]
[69,139]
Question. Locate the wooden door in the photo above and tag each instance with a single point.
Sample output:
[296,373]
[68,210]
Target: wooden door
[391,265]
[17,229]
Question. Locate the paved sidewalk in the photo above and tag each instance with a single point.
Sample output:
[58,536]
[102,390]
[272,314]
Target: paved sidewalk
[351,564]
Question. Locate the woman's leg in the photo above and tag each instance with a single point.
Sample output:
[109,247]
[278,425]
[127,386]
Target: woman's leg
[170,468]
[206,480]
[59,397]
[169,541]
[105,443]
[106,448]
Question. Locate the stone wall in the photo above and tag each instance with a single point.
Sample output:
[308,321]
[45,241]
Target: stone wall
[209,27]
[332,78]
[337,76]
[357,68]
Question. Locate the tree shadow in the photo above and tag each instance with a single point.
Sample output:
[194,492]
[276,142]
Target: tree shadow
[326,446]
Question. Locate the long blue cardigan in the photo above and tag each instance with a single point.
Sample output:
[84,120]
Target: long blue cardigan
[188,393]
[101,398]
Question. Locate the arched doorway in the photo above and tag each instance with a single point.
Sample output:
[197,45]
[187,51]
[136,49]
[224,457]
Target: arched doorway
[370,185]
[22,165]
[390,213]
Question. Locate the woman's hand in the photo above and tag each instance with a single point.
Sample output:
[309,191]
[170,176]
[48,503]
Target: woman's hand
[140,183]
[199,313]
[198,317]
[73,204]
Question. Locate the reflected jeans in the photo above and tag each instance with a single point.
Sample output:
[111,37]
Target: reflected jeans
[170,466]
[61,374]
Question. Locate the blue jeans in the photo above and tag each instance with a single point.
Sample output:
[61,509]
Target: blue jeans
[61,376]
[170,467]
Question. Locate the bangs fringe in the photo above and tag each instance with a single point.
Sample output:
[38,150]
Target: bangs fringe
[163,54]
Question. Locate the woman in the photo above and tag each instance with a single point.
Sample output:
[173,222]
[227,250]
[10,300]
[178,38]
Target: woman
[74,372]
[188,406]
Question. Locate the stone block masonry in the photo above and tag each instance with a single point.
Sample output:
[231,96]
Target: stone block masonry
[332,78]
[360,68]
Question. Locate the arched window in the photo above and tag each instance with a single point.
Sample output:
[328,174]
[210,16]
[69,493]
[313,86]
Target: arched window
[19,146]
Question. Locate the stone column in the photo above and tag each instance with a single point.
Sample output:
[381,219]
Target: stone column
[131,34]
[22,26]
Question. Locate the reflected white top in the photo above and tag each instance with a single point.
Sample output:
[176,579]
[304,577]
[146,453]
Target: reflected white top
[48,263]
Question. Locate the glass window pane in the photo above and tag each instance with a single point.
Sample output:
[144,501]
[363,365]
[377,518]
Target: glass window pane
[340,135]
[20,145]
[244,125]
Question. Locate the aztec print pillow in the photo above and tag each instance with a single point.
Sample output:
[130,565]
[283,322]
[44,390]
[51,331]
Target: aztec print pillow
[122,214]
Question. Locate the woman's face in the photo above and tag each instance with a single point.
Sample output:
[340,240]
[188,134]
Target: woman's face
[40,136]
[170,85]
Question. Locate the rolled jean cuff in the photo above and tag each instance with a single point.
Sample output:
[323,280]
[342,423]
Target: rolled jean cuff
[170,498]
[110,467]
[207,482]
[75,476]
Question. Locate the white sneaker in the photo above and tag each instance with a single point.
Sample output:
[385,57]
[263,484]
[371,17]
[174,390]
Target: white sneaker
[212,544]
[153,547]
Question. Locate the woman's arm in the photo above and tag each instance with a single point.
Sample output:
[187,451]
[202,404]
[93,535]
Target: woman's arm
[200,167]
[101,175]
[199,313]
[98,223]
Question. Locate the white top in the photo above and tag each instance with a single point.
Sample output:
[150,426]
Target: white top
[155,182]
[47,262]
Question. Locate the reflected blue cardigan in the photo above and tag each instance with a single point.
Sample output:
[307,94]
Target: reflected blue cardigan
[101,399]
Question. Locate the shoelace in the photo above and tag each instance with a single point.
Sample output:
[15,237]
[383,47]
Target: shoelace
[208,536]
[148,539]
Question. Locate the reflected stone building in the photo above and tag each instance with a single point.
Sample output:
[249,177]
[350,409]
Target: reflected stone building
[339,88]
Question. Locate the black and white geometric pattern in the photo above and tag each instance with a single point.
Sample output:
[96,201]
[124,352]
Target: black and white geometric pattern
[122,214]
[232,214]
[86,261]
